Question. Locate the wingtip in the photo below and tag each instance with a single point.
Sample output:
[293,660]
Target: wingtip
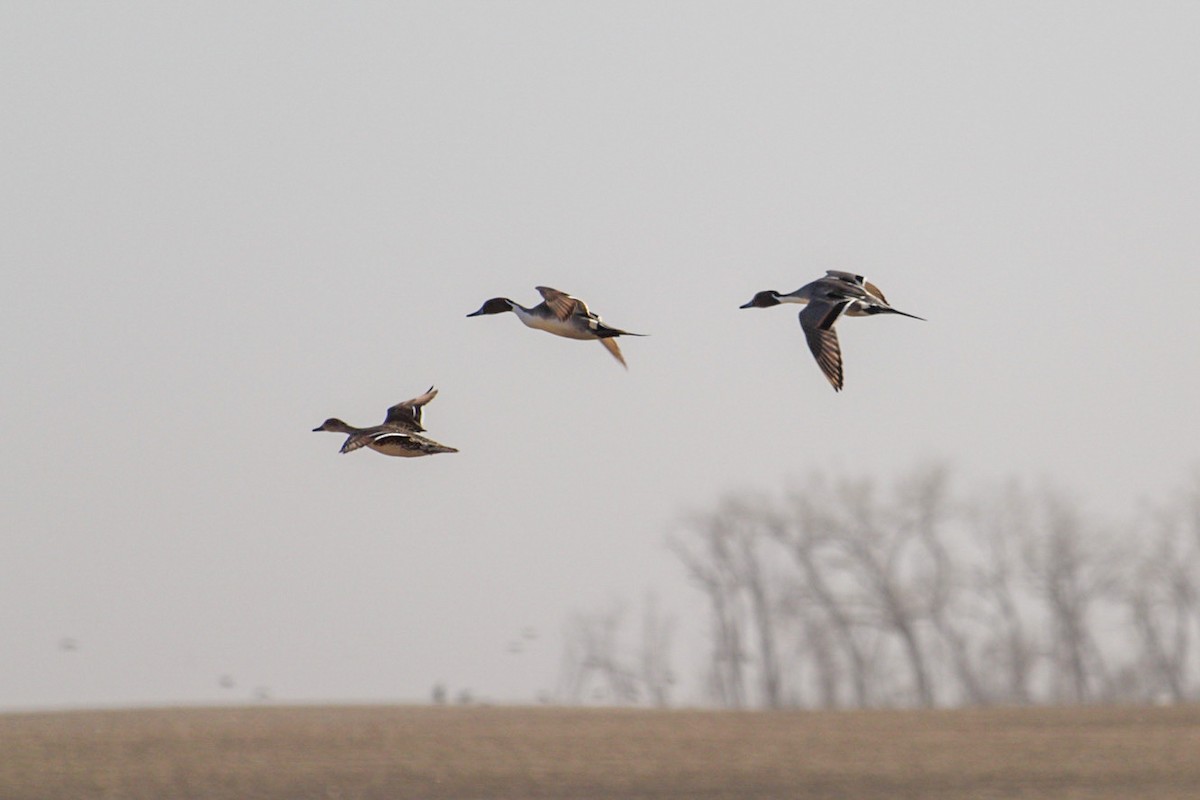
[610,344]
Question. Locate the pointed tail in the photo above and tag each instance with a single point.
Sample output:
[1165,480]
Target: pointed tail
[890,310]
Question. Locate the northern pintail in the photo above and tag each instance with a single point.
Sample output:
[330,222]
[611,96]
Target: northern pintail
[397,436]
[563,315]
[826,299]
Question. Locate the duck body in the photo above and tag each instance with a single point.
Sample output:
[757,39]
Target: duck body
[398,435]
[541,318]
[390,441]
[562,315]
[826,299]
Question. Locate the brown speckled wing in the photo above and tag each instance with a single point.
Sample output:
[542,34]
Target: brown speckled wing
[357,440]
[400,443]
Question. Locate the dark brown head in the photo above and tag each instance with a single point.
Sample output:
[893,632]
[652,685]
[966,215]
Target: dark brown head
[763,300]
[497,305]
[335,425]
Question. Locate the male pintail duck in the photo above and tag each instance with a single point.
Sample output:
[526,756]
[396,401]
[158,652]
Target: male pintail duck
[397,436]
[563,315]
[827,299]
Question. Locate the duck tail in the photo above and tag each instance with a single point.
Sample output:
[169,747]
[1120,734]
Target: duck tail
[603,331]
[871,310]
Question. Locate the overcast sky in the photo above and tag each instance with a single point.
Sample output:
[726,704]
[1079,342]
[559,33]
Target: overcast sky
[225,222]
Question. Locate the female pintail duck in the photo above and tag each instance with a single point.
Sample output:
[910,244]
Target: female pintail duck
[825,300]
[397,436]
[563,315]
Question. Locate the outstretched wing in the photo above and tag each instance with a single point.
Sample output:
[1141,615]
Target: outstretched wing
[408,414]
[562,304]
[817,321]
[610,344]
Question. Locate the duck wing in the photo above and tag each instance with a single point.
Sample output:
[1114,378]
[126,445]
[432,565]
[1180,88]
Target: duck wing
[408,414]
[857,280]
[846,277]
[873,289]
[360,439]
[406,443]
[562,304]
[817,320]
[610,344]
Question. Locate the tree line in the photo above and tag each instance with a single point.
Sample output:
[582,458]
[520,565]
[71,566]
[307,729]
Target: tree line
[845,593]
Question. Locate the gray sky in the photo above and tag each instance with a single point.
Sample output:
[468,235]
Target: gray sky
[223,224]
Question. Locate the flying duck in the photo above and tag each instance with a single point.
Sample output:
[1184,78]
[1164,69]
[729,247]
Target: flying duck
[397,436]
[826,299]
[563,315]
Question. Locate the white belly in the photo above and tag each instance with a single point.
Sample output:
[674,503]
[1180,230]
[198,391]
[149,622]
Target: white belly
[556,326]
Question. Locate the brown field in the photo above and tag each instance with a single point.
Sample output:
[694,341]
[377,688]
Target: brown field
[378,753]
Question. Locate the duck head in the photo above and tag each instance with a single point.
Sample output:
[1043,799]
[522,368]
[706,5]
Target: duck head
[497,305]
[763,300]
[335,425]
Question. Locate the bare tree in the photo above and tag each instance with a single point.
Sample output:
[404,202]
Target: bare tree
[655,658]
[592,659]
[925,504]
[997,529]
[1072,570]
[708,566]
[807,533]
[860,558]
[730,566]
[1162,592]
[744,525]
[598,666]
[876,543]
[846,593]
